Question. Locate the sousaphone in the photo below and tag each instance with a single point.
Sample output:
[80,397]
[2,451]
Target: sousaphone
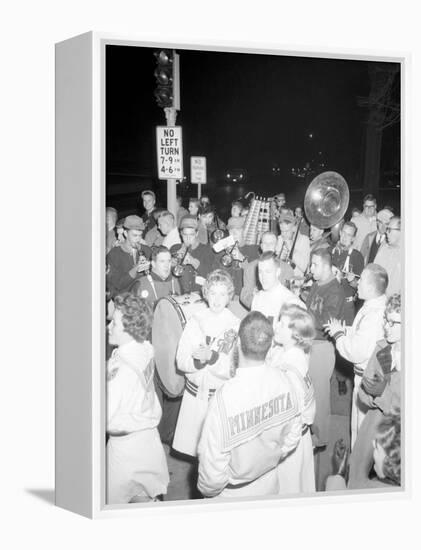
[326,200]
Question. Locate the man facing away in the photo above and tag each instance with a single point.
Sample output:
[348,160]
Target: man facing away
[253,422]
[356,343]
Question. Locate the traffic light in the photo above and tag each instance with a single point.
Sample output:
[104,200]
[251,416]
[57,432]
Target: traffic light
[167,79]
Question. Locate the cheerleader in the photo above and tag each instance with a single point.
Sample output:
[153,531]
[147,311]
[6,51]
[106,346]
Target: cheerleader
[294,333]
[204,355]
[136,465]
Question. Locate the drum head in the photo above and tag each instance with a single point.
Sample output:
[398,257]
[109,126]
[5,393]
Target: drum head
[167,328]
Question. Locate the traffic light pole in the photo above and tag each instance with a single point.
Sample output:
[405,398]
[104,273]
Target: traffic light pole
[171,116]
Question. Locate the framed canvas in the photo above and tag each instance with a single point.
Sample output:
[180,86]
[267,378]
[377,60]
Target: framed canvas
[241,125]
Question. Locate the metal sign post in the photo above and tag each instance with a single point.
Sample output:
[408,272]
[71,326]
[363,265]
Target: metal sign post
[169,148]
[198,173]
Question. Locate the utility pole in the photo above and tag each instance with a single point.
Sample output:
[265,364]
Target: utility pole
[167,95]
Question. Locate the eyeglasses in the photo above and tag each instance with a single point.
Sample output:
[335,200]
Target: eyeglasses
[389,229]
[391,323]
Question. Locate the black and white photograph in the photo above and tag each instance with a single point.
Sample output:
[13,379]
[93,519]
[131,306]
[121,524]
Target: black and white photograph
[254,275]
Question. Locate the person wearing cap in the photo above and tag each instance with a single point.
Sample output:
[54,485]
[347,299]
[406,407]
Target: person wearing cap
[149,201]
[301,253]
[128,261]
[168,227]
[241,254]
[197,261]
[365,222]
[375,239]
[389,256]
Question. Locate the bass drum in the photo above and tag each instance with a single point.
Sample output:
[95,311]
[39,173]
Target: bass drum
[170,317]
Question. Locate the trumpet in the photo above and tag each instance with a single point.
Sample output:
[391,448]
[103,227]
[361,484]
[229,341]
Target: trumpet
[143,264]
[228,259]
[179,267]
[219,233]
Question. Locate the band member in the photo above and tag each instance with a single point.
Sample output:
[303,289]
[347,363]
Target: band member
[111,220]
[204,355]
[250,278]
[168,227]
[196,258]
[149,201]
[128,261]
[136,466]
[389,256]
[365,222]
[159,282]
[293,335]
[326,300]
[194,207]
[240,254]
[348,265]
[181,211]
[300,219]
[301,251]
[253,422]
[375,239]
[274,294]
[236,210]
[357,343]
[380,388]
[318,238]
[206,223]
[154,237]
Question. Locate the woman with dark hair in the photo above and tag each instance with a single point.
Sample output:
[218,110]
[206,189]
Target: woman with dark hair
[136,465]
[294,333]
[204,355]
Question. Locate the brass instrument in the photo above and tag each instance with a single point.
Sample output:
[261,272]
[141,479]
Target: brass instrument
[142,261]
[178,269]
[325,203]
[219,233]
[228,259]
[326,200]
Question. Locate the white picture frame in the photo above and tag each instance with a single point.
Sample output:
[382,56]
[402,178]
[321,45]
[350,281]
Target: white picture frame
[80,307]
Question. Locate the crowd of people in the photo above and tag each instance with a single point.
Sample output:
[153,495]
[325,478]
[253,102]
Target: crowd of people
[260,329]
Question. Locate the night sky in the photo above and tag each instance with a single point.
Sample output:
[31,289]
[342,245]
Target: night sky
[243,111]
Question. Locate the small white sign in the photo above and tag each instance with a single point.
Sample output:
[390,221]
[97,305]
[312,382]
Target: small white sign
[198,169]
[169,148]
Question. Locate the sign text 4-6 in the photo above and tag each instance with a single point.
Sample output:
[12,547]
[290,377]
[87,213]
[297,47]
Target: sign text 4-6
[169,148]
